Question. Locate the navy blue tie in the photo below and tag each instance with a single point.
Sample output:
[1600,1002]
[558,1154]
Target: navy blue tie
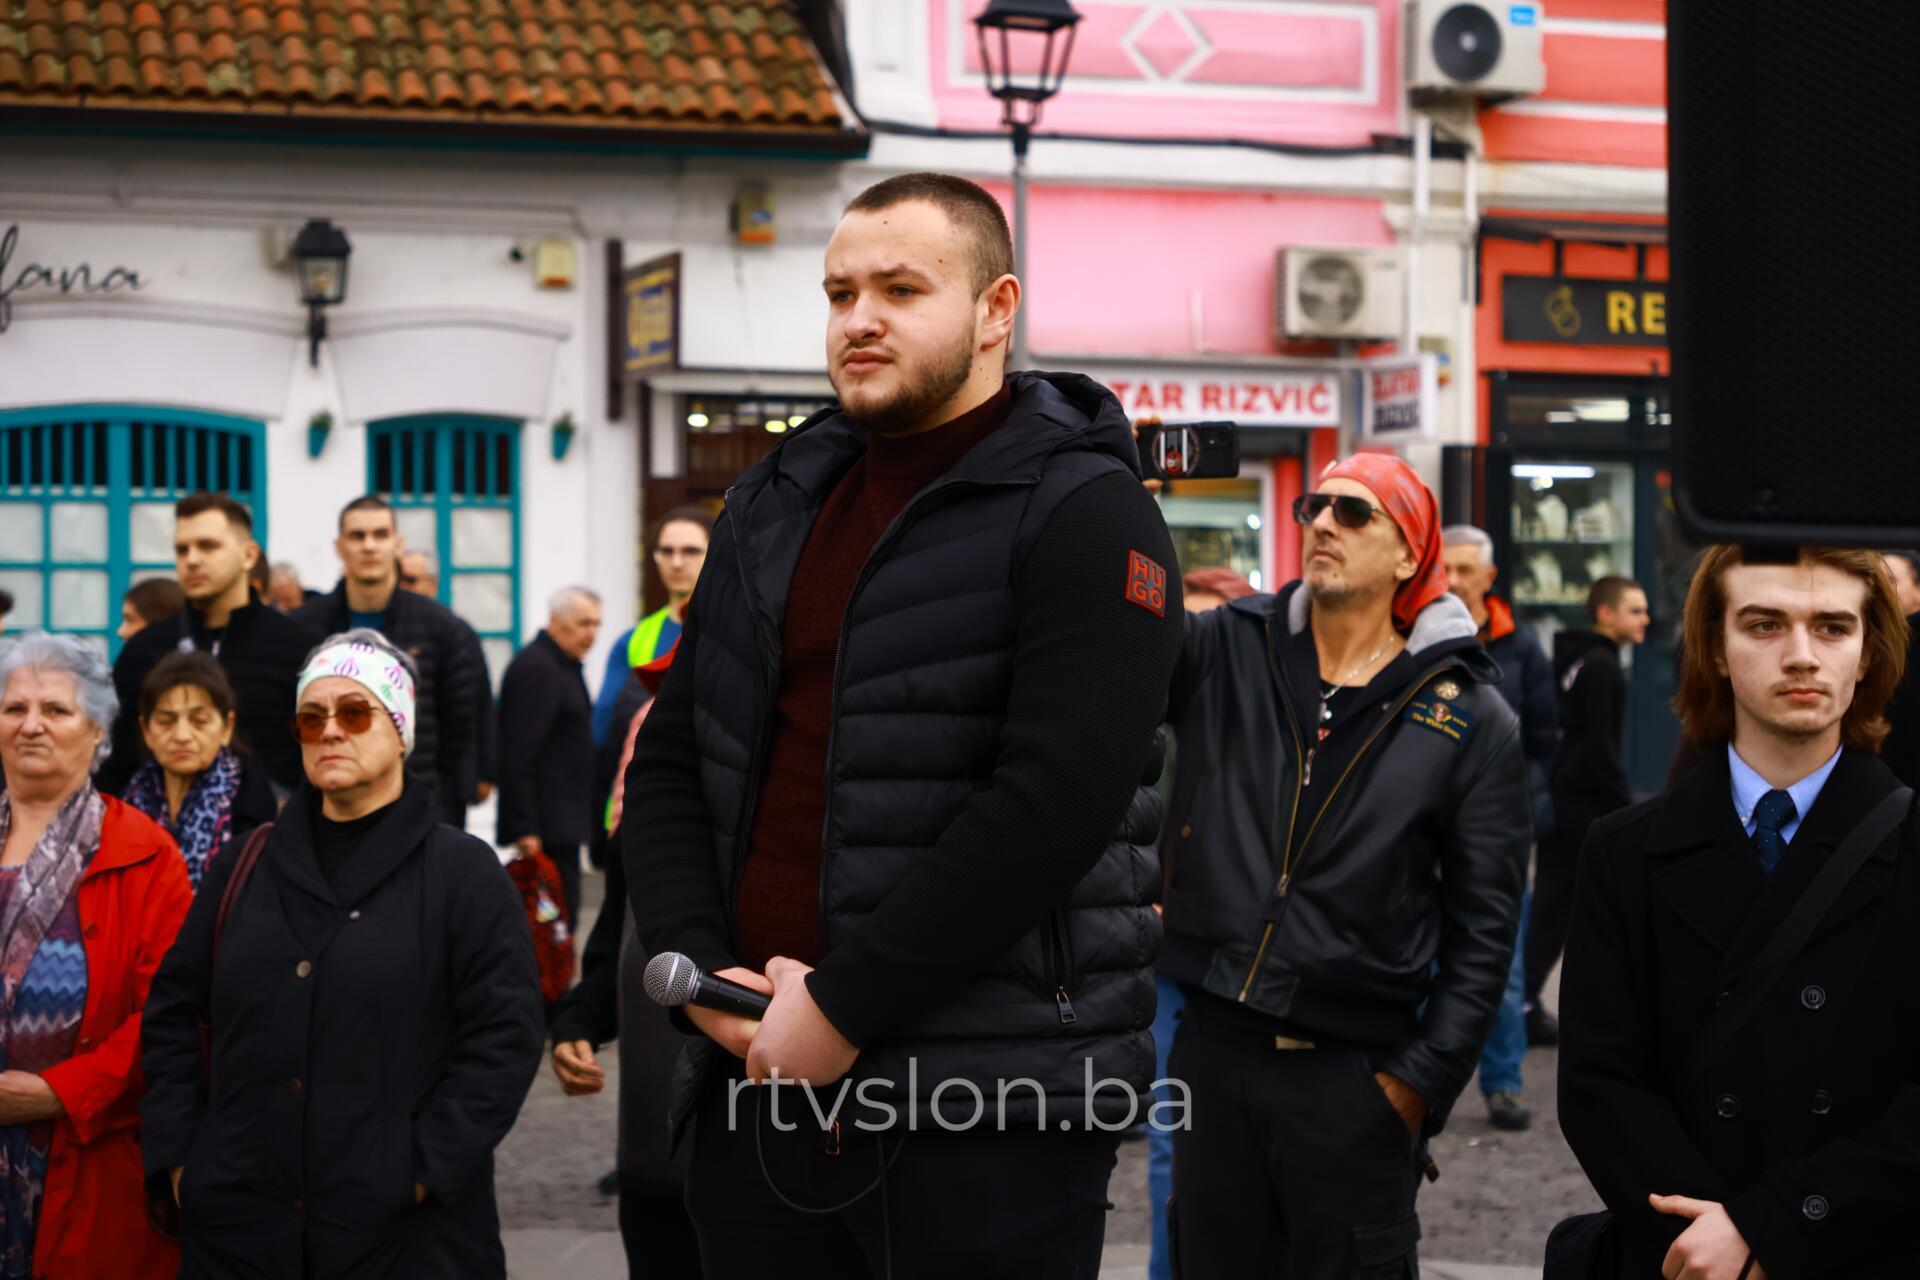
[1774,811]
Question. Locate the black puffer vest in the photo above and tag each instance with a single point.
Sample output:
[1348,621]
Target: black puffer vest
[920,693]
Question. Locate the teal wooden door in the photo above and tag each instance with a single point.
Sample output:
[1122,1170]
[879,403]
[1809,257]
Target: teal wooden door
[86,504]
[454,482]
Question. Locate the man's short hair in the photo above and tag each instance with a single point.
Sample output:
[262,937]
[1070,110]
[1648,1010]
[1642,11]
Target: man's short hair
[1468,535]
[195,504]
[1608,593]
[1704,697]
[968,204]
[6,602]
[686,513]
[567,599]
[1910,558]
[367,502]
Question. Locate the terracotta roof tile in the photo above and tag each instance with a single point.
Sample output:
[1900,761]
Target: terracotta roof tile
[119,77]
[444,87]
[300,84]
[480,90]
[641,63]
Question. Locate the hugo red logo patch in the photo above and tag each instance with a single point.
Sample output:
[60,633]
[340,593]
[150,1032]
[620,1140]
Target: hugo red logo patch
[1146,584]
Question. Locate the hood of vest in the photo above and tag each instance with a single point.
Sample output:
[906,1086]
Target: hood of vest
[1051,412]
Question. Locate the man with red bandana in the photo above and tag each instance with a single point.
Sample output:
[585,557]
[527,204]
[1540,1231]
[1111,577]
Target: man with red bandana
[1342,914]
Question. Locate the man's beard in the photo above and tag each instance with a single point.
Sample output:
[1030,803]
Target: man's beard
[909,407]
[215,592]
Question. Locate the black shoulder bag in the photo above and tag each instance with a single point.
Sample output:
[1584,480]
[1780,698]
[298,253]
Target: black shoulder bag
[1587,1246]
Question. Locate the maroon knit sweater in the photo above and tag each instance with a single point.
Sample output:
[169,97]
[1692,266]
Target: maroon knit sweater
[779,906]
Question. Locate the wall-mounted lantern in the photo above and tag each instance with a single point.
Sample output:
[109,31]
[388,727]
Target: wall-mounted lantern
[320,259]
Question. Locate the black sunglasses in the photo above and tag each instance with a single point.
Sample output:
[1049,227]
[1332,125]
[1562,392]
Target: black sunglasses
[1349,511]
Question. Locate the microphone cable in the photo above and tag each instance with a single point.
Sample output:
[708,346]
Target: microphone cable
[878,1184]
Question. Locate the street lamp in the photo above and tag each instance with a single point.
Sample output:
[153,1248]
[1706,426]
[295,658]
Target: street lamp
[1025,58]
[320,259]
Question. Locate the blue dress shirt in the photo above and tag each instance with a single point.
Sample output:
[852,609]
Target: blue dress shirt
[1749,786]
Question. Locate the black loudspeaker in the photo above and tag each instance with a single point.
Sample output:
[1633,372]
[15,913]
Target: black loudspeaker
[1794,133]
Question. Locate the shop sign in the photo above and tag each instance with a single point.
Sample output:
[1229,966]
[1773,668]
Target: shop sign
[80,277]
[1402,399]
[1260,398]
[650,316]
[1588,313]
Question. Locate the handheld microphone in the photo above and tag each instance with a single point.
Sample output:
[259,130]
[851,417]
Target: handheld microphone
[673,980]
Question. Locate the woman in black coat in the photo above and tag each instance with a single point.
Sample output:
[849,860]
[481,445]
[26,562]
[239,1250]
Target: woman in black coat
[376,1018]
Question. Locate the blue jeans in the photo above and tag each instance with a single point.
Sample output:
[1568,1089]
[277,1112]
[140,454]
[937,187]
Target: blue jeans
[1160,1141]
[1507,1046]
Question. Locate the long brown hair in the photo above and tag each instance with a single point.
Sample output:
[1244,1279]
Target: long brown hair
[1704,701]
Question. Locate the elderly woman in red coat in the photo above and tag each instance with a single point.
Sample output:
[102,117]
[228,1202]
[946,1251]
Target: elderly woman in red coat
[91,895]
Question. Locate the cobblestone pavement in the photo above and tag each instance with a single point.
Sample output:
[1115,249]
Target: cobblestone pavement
[1497,1197]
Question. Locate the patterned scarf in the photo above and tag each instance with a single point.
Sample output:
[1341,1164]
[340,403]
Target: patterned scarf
[206,815]
[41,895]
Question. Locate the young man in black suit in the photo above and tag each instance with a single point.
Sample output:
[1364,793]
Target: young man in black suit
[1783,1144]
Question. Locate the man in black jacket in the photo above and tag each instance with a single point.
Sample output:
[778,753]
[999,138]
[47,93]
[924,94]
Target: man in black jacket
[1343,905]
[1526,682]
[260,648]
[1794,1150]
[1589,781]
[454,695]
[546,741]
[893,778]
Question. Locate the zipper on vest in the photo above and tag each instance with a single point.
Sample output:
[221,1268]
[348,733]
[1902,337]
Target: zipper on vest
[769,679]
[887,537]
[1059,947]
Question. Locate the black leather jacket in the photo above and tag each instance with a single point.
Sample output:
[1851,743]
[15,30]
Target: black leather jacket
[1407,887]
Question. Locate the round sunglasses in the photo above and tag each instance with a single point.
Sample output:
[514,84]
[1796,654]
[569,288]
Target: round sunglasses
[1348,511]
[310,723]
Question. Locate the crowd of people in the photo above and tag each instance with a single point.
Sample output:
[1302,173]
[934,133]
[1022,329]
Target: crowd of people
[934,747]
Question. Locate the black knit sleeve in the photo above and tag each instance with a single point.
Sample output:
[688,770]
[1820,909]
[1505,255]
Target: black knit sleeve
[1091,669]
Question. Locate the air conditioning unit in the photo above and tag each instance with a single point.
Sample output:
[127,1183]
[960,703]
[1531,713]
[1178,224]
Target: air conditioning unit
[1481,48]
[1327,292]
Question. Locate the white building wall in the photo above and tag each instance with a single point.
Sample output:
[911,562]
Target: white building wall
[437,318]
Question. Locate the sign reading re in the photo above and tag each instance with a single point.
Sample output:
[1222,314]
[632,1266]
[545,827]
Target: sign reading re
[1556,309]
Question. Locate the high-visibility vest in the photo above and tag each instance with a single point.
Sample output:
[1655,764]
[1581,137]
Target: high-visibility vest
[644,647]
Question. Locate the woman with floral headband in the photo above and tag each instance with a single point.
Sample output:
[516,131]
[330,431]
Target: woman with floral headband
[333,1052]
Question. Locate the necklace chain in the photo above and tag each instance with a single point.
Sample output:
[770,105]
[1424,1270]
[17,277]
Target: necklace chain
[1327,692]
[1337,685]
